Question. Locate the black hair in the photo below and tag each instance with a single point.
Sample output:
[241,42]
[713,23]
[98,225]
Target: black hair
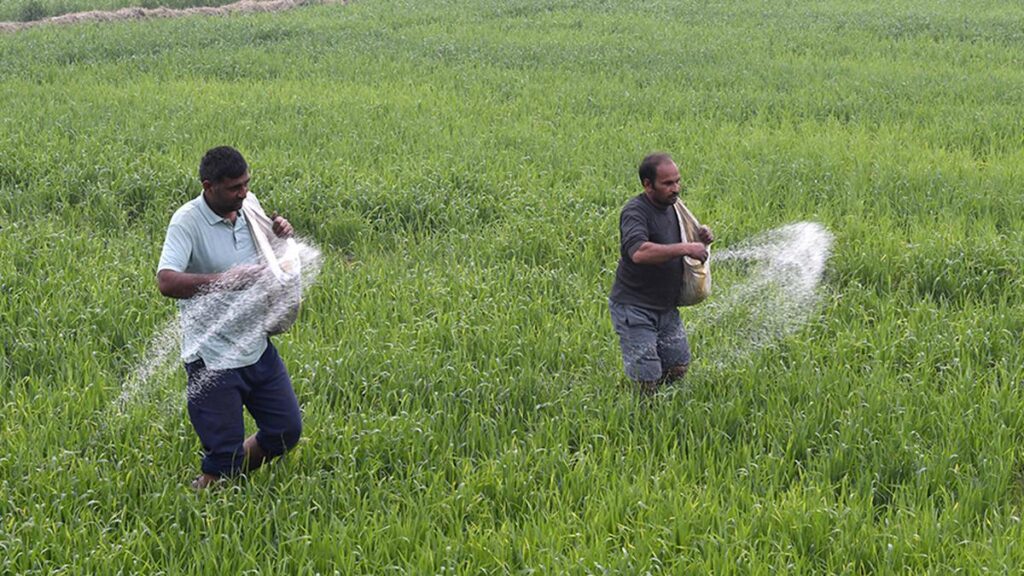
[649,166]
[220,163]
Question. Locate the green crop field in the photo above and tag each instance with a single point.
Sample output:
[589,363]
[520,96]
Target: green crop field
[461,165]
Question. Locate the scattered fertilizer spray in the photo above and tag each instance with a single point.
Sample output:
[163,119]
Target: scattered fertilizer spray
[239,318]
[765,289]
[775,288]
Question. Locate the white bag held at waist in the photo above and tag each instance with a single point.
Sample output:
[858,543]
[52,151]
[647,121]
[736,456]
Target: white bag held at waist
[281,255]
[696,274]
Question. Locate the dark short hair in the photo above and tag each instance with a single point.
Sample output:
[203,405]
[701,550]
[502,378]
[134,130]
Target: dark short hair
[220,163]
[649,165]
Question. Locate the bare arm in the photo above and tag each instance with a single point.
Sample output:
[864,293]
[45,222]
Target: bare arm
[651,253]
[175,284]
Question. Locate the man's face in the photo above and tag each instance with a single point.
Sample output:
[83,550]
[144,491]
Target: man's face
[226,195]
[664,190]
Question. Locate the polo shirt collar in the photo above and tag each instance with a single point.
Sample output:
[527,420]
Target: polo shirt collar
[212,218]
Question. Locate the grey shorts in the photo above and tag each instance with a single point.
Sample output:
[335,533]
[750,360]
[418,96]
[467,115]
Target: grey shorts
[652,341]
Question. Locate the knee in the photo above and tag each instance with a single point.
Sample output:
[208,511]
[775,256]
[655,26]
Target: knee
[279,442]
[644,366]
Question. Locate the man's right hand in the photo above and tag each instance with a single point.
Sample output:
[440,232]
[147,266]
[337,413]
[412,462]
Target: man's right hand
[241,276]
[696,250]
[175,284]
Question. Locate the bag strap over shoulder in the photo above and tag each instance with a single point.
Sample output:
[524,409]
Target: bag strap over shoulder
[262,229]
[688,223]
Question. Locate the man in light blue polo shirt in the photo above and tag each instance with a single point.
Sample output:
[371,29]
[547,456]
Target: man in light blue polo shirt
[208,261]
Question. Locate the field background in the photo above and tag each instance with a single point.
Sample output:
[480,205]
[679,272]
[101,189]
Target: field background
[461,164]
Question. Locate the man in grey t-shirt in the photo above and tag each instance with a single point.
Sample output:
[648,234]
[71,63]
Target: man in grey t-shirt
[647,282]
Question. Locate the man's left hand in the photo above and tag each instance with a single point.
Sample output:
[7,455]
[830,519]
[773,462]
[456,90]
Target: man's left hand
[282,228]
[704,235]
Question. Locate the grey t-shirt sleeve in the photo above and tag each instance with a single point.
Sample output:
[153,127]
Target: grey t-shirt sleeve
[633,230]
[177,248]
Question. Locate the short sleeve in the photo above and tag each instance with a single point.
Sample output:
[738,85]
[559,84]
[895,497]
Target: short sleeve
[633,230]
[177,250]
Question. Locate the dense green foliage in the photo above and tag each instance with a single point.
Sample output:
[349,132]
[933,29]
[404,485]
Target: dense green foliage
[462,164]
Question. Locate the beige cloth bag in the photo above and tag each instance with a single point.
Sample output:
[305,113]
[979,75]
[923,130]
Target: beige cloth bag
[696,274]
[281,255]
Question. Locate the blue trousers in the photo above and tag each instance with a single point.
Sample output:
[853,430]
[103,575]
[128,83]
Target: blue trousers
[215,401]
